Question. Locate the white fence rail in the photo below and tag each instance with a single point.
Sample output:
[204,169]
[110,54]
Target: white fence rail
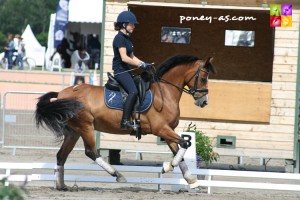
[264,184]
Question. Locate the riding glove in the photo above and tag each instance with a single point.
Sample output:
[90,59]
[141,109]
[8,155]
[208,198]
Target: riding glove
[145,66]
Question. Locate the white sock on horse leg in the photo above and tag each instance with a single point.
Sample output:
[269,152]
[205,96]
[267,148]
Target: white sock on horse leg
[107,167]
[178,157]
[59,176]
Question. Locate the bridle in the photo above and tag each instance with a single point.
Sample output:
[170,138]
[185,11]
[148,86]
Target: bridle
[193,90]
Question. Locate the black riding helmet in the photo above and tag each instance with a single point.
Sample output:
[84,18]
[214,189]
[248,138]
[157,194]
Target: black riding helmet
[126,17]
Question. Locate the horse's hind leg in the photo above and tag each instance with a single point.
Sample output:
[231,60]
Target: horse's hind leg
[70,140]
[90,151]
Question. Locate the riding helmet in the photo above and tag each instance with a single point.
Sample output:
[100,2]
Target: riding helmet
[127,17]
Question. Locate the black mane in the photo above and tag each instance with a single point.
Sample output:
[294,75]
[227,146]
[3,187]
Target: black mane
[174,61]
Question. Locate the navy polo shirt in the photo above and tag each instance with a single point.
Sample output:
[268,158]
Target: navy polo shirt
[121,40]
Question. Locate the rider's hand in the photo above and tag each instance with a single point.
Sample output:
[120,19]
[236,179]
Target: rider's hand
[145,66]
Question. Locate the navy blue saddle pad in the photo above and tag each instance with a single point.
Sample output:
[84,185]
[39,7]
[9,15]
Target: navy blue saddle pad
[113,100]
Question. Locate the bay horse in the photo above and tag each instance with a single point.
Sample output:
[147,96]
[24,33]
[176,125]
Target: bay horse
[77,111]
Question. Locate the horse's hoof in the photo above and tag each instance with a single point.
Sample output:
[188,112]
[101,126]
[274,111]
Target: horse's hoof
[195,185]
[63,188]
[190,179]
[167,167]
[121,179]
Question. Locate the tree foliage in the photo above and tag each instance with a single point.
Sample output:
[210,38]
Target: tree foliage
[16,14]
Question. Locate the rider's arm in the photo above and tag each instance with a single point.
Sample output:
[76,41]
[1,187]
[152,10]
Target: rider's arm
[135,58]
[129,60]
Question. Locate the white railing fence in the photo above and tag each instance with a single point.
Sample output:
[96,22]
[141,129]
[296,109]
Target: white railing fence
[260,180]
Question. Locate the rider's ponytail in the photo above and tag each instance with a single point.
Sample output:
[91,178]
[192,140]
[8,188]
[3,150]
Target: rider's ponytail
[117,27]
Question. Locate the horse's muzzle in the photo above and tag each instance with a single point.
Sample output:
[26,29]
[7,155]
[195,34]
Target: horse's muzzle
[201,101]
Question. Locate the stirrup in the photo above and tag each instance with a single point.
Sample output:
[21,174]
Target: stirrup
[126,124]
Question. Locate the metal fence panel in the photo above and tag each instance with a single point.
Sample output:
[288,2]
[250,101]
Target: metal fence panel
[1,120]
[19,129]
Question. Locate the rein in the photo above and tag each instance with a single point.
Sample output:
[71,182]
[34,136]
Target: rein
[157,81]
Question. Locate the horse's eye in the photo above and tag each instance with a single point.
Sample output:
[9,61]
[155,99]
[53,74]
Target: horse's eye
[203,80]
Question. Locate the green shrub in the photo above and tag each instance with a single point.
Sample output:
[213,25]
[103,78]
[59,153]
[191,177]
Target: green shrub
[204,146]
[11,192]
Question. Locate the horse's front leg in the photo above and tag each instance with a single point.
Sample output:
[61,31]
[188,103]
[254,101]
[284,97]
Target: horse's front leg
[173,142]
[190,179]
[179,160]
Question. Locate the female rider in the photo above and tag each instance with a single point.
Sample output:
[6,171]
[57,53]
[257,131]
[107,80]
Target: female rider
[123,60]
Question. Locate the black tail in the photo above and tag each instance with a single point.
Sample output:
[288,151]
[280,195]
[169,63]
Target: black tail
[56,114]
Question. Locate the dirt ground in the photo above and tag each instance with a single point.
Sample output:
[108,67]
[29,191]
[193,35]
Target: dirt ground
[117,191]
[136,193]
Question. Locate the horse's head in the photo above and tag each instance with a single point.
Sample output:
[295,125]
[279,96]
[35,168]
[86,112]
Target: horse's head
[198,81]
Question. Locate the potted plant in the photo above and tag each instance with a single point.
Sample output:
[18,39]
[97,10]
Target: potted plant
[204,147]
[11,192]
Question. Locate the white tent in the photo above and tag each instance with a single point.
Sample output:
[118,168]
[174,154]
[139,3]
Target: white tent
[50,49]
[85,17]
[33,48]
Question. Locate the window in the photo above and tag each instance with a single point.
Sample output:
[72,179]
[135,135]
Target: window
[175,35]
[239,38]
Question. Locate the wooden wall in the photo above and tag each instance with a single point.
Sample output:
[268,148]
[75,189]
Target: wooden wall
[231,101]
[257,3]
[272,140]
[232,62]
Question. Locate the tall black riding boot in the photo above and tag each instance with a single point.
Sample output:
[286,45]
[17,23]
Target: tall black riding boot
[129,103]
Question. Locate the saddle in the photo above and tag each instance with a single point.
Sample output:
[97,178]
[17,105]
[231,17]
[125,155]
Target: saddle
[142,82]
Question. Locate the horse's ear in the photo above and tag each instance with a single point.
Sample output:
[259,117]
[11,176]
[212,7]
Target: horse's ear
[209,60]
[209,66]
